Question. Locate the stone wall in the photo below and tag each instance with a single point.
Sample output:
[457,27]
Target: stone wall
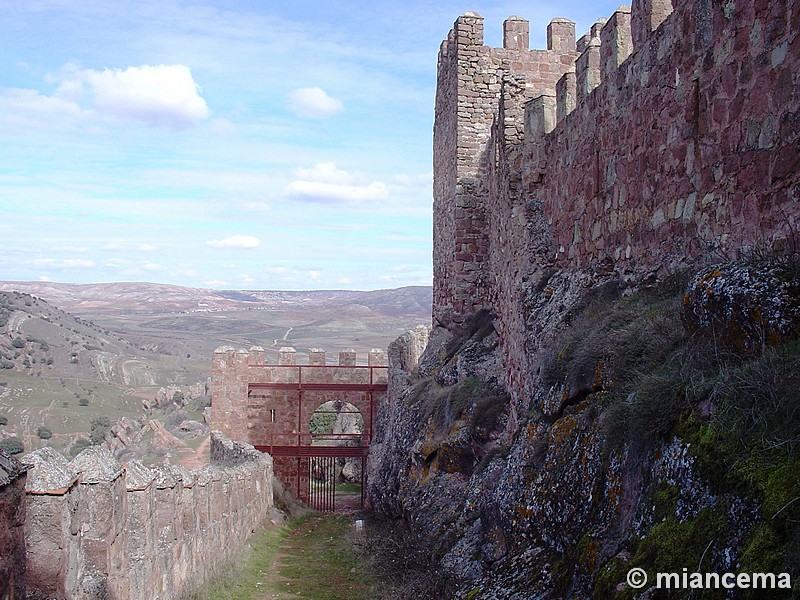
[98,529]
[12,521]
[670,134]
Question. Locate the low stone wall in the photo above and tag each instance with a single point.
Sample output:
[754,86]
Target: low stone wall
[12,521]
[98,529]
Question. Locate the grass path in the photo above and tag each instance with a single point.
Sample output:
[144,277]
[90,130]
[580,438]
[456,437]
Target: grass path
[312,558]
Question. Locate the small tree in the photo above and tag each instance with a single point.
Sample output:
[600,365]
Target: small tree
[100,426]
[3,420]
[18,343]
[44,433]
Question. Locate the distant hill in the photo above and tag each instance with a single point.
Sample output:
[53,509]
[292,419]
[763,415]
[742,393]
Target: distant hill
[153,298]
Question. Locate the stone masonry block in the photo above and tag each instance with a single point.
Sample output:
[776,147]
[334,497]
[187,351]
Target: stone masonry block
[616,43]
[516,33]
[561,35]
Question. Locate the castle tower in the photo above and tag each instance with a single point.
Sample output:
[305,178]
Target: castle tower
[473,82]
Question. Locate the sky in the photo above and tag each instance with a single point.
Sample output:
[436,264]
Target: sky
[242,144]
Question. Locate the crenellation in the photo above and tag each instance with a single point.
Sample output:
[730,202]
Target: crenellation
[278,413]
[587,70]
[646,17]
[347,358]
[475,82]
[566,91]
[616,42]
[516,33]
[665,141]
[561,35]
[317,357]
[540,115]
[96,528]
[287,356]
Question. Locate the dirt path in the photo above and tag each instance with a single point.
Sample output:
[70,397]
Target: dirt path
[199,457]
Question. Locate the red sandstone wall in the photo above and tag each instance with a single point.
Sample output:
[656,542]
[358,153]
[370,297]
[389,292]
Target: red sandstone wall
[98,529]
[468,96]
[691,145]
[12,522]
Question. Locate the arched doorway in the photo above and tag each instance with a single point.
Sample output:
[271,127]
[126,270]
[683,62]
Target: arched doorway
[336,480]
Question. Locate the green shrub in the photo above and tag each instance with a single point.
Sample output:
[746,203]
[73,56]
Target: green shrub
[18,343]
[3,420]
[12,446]
[100,426]
[44,433]
[79,446]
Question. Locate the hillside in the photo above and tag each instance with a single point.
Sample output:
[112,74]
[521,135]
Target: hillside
[154,298]
[70,354]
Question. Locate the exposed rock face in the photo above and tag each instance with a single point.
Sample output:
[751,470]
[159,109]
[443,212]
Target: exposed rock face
[12,521]
[543,509]
[745,307]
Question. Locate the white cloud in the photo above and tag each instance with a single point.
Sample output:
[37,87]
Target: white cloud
[324,183]
[258,206]
[326,172]
[315,275]
[235,241]
[29,109]
[148,248]
[162,95]
[62,263]
[313,102]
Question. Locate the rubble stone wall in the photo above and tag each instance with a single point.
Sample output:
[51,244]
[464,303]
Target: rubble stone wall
[671,134]
[98,529]
[12,521]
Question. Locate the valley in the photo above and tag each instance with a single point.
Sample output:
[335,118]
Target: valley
[73,354]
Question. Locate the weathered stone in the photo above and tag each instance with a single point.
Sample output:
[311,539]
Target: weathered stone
[744,307]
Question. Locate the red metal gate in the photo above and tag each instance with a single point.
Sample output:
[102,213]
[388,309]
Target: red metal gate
[322,483]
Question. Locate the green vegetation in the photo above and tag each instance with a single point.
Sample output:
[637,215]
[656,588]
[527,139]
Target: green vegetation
[79,446]
[322,422]
[312,558]
[738,414]
[12,446]
[100,426]
[44,433]
[3,420]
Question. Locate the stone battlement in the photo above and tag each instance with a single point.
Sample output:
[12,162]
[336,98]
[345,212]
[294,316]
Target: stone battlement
[663,134]
[100,529]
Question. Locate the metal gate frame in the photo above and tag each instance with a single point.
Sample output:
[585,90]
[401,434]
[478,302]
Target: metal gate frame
[299,443]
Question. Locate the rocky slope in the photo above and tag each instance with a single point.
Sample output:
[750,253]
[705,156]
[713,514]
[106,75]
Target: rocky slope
[640,446]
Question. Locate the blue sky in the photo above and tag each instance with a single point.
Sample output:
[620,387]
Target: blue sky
[227,144]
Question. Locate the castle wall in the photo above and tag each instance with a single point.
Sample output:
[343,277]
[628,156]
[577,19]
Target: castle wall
[99,529]
[674,133]
[12,521]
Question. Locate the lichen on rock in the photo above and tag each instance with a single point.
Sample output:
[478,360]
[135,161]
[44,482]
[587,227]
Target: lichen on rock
[745,307]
